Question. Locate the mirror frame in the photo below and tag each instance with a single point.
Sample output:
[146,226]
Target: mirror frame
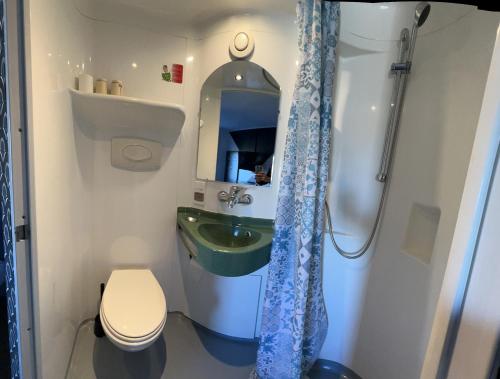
[279,94]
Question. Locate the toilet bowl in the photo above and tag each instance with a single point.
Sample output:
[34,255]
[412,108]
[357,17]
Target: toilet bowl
[133,309]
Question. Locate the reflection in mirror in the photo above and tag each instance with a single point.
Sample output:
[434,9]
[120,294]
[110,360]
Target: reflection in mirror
[239,107]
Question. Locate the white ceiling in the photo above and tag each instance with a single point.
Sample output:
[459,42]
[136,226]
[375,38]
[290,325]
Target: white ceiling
[186,18]
[193,11]
[189,18]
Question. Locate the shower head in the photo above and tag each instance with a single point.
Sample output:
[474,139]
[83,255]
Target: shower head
[421,13]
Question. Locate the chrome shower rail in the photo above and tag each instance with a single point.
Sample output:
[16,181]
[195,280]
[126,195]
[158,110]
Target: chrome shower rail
[400,69]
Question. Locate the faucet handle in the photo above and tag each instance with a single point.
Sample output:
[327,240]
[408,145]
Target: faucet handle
[233,197]
[222,196]
[246,199]
[234,190]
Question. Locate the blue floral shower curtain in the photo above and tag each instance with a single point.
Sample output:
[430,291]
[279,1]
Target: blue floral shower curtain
[294,321]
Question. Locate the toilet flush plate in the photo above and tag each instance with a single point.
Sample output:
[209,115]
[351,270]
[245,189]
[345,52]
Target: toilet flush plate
[135,154]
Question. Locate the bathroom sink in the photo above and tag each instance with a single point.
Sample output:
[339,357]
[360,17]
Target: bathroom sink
[223,244]
[228,235]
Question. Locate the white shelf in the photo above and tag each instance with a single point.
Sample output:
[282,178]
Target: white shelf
[108,116]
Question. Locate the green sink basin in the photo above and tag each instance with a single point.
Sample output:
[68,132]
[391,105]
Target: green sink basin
[223,244]
[228,235]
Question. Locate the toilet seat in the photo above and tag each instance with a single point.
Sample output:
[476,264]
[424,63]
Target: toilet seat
[130,346]
[129,338]
[133,309]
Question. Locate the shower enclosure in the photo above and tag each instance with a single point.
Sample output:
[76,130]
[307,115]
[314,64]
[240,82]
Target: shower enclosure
[387,299]
[400,70]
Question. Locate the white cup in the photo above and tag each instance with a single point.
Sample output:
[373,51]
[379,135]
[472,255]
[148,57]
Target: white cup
[85,83]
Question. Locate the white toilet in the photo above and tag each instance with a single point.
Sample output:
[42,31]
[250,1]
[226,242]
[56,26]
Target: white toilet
[133,309]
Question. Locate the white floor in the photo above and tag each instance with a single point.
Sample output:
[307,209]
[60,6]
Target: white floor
[183,352]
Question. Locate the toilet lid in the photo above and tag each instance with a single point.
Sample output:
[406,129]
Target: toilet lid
[133,303]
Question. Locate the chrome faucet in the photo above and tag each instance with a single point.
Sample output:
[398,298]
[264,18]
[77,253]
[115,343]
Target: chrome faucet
[233,197]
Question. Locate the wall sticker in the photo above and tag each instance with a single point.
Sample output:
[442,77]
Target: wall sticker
[173,74]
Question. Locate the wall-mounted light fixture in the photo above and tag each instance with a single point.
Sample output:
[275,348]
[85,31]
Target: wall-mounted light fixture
[241,45]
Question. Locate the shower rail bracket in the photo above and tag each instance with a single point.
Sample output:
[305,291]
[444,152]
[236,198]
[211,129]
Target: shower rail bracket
[401,67]
[22,232]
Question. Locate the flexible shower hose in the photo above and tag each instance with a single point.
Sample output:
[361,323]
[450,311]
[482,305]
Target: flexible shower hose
[364,248]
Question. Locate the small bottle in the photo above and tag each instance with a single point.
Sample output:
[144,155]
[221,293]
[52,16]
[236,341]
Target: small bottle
[101,86]
[117,87]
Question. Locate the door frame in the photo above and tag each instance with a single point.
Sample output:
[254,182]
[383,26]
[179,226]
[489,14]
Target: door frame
[16,84]
[478,331]
[451,301]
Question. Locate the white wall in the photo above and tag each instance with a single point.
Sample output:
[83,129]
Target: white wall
[60,195]
[362,97]
[88,216]
[134,213]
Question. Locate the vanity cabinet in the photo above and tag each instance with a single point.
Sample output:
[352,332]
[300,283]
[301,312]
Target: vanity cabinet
[228,305]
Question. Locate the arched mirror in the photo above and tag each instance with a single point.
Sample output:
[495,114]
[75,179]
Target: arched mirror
[239,108]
